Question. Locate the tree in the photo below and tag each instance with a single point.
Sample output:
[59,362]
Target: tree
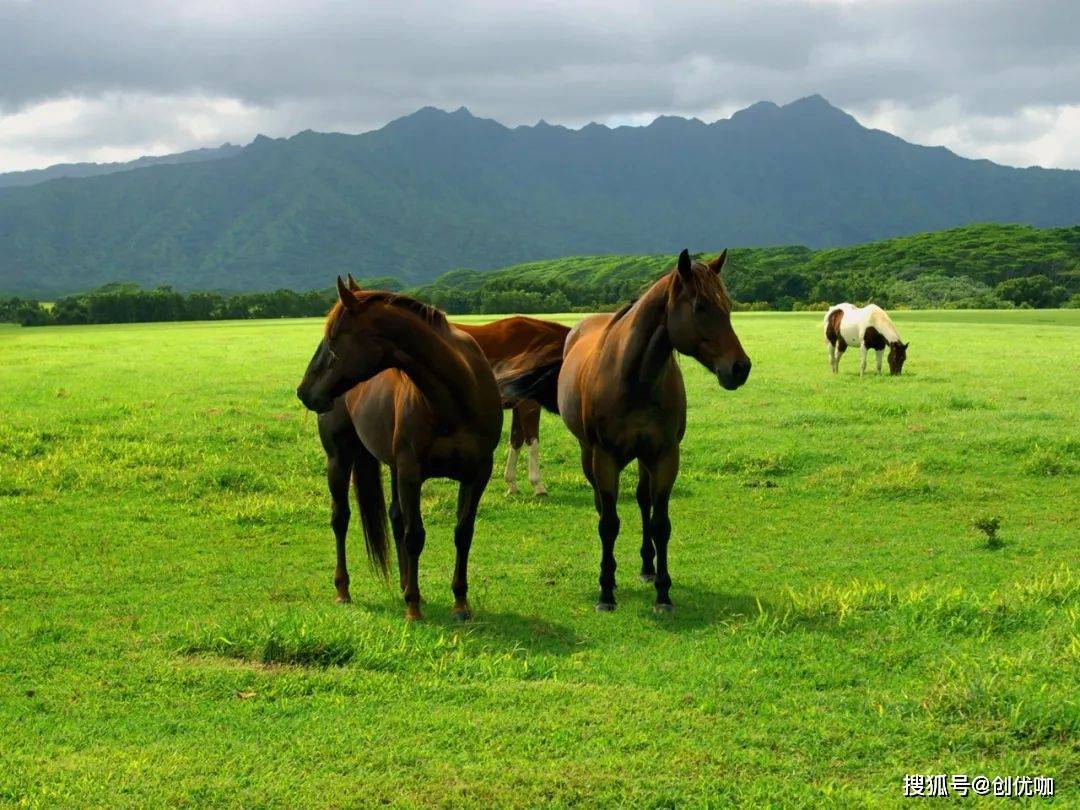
[1035,291]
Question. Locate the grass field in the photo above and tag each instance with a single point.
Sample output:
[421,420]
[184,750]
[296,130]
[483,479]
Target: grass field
[168,633]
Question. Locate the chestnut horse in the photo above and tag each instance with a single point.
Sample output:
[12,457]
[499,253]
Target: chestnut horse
[511,344]
[394,383]
[621,394]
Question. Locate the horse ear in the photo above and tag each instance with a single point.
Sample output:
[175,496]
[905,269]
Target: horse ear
[684,264]
[346,295]
[352,284]
[717,264]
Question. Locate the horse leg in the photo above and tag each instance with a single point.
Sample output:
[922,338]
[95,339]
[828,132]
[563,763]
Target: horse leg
[397,524]
[409,499]
[341,444]
[338,472]
[662,479]
[832,357]
[862,362]
[606,486]
[644,500]
[586,467]
[530,423]
[517,438]
[880,353]
[469,493]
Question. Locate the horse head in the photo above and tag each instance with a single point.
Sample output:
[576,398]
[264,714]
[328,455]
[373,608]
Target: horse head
[347,355]
[699,320]
[897,356]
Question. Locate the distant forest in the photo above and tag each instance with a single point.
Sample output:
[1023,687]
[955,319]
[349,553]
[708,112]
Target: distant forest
[975,267]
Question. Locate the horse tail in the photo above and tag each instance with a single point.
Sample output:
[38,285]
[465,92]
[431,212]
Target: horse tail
[367,483]
[539,383]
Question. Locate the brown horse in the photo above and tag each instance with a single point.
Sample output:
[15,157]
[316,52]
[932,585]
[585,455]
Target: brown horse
[394,382]
[621,394]
[511,344]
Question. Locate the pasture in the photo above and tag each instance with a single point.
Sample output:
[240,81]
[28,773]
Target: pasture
[168,632]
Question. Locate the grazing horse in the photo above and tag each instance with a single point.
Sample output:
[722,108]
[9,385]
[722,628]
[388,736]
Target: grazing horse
[621,394]
[869,328]
[394,383]
[509,344]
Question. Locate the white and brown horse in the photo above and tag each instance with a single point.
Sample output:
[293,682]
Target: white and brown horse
[868,328]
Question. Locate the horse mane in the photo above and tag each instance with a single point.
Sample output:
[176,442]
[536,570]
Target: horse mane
[623,309]
[704,282]
[432,315]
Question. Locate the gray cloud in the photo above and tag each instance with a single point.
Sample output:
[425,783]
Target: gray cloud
[353,66]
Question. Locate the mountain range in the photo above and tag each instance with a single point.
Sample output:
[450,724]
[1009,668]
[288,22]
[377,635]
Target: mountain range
[441,190]
[31,177]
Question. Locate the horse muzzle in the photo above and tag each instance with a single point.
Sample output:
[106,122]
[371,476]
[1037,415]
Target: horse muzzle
[734,375]
[316,404]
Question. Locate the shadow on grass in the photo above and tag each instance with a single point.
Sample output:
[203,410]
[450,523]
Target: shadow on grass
[502,629]
[694,606]
[697,608]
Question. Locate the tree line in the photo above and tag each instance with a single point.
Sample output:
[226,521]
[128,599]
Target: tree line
[129,303]
[974,267]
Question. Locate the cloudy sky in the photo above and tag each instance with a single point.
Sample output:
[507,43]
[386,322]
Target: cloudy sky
[113,79]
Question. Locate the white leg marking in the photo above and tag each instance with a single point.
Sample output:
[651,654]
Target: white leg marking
[862,364]
[832,357]
[534,468]
[511,470]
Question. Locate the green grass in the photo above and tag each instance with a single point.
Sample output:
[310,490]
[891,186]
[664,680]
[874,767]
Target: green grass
[168,633]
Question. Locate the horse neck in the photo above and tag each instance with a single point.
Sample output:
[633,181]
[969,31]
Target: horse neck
[880,321]
[643,348]
[424,352]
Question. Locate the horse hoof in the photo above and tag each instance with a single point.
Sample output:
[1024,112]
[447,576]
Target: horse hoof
[662,607]
[462,612]
[605,607]
[542,493]
[512,491]
[412,614]
[648,577]
[343,599]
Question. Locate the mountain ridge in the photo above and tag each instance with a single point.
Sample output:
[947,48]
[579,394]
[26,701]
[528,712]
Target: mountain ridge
[436,190]
[57,171]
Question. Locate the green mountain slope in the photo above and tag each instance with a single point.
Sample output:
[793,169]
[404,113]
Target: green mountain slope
[437,190]
[977,265]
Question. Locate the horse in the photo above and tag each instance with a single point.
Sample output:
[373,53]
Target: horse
[869,328]
[621,393]
[508,344]
[395,383]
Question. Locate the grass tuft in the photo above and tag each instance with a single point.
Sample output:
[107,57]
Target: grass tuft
[1028,604]
[1047,461]
[350,637]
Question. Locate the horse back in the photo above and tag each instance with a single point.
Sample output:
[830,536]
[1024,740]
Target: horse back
[517,336]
